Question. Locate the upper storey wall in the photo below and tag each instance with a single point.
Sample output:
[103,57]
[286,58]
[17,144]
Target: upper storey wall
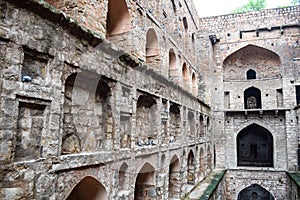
[161,33]
[252,20]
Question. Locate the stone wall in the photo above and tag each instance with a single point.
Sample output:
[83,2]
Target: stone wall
[73,107]
[265,42]
[238,180]
[293,186]
[121,96]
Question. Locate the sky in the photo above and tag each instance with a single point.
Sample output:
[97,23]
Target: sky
[207,8]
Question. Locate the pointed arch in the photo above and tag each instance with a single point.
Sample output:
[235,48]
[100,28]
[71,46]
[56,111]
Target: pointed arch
[185,76]
[88,188]
[255,147]
[250,54]
[194,84]
[118,18]
[152,49]
[201,162]
[123,177]
[71,142]
[255,191]
[172,66]
[191,168]
[209,158]
[145,181]
[252,98]
[257,58]
[185,24]
[174,177]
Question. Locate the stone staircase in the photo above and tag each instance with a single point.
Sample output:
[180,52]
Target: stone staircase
[200,189]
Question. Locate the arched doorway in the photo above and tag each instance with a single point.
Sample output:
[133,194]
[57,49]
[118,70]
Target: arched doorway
[145,183]
[152,49]
[185,77]
[172,66]
[255,147]
[123,177]
[194,84]
[209,159]
[255,192]
[191,168]
[88,188]
[174,178]
[201,163]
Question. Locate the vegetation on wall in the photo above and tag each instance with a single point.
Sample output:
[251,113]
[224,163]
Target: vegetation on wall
[295,2]
[252,5]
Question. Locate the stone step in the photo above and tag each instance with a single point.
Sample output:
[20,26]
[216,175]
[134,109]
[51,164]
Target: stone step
[199,190]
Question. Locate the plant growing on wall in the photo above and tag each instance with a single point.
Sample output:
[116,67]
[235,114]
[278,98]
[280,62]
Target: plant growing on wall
[252,5]
[295,2]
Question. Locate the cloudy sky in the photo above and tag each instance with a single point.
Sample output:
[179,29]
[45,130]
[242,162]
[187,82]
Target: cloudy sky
[219,7]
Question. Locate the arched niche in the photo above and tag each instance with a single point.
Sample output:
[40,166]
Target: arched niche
[173,74]
[194,84]
[255,147]
[191,168]
[146,120]
[123,177]
[252,98]
[152,49]
[145,183]
[174,178]
[209,158]
[86,96]
[175,122]
[201,163]
[88,188]
[191,123]
[118,18]
[185,24]
[254,57]
[185,76]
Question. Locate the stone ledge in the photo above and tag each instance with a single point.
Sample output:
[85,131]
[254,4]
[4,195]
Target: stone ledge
[205,189]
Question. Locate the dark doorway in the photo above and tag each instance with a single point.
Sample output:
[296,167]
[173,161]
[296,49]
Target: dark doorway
[255,192]
[298,94]
[251,74]
[255,147]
